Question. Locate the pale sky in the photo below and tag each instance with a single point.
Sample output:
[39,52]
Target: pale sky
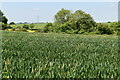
[29,11]
[59,0]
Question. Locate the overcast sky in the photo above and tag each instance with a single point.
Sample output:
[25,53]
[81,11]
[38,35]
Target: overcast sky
[29,11]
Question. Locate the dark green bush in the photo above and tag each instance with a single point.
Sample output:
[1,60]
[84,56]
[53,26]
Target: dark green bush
[31,25]
[104,28]
[48,27]
[11,23]
[25,26]
[5,26]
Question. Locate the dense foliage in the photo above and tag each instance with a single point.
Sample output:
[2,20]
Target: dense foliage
[25,26]
[37,55]
[1,14]
[11,23]
[62,16]
[65,21]
[74,22]
[80,22]
[3,19]
[48,27]
[104,28]
[5,26]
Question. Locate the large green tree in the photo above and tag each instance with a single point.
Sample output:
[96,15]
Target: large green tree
[1,14]
[83,21]
[3,19]
[79,20]
[62,16]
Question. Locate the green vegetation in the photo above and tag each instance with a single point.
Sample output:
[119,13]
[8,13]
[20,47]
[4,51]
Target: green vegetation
[12,23]
[3,19]
[74,22]
[51,55]
[40,55]
[65,21]
[80,22]
[36,25]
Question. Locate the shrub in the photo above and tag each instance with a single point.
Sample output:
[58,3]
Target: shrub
[48,27]
[11,23]
[25,26]
[104,28]
[31,25]
[5,26]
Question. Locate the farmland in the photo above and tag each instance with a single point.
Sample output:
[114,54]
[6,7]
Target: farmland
[48,55]
[36,25]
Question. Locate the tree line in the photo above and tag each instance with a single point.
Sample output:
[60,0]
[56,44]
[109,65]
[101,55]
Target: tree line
[78,22]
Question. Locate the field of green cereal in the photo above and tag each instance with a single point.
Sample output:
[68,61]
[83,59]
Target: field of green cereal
[47,55]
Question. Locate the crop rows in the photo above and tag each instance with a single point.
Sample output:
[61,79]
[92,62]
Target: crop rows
[37,55]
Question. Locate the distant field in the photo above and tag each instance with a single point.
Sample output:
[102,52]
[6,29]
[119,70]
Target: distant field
[47,55]
[36,25]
